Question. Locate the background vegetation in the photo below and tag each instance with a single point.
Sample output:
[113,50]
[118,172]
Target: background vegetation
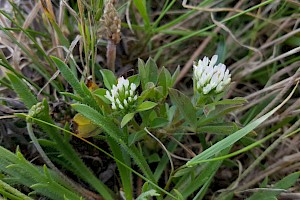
[259,41]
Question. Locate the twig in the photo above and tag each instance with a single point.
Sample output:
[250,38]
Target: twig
[249,70]
[280,95]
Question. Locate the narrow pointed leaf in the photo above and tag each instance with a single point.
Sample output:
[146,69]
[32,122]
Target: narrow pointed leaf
[22,90]
[126,119]
[147,105]
[185,106]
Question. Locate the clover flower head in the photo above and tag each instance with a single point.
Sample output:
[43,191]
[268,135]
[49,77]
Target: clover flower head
[122,96]
[210,77]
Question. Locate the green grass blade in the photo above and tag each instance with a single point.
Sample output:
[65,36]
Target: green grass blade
[180,18]
[184,105]
[228,141]
[163,13]
[63,40]
[213,25]
[279,187]
[247,148]
[189,184]
[141,6]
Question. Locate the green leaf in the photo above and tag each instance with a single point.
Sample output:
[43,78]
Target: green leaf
[221,50]
[22,90]
[175,75]
[171,113]
[247,148]
[280,186]
[109,78]
[183,171]
[141,67]
[68,75]
[124,172]
[147,194]
[165,80]
[185,106]
[220,129]
[215,113]
[113,131]
[146,94]
[159,122]
[152,71]
[147,105]
[235,101]
[134,137]
[100,92]
[89,98]
[126,119]
[80,89]
[179,195]
[153,158]
[230,140]
[134,79]
[14,191]
[288,181]
[71,95]
[148,72]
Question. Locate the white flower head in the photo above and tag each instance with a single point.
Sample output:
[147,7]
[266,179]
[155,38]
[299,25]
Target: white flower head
[210,77]
[122,96]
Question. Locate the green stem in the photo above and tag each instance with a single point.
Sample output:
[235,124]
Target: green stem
[111,55]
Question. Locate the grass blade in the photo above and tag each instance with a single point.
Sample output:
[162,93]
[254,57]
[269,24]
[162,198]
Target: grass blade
[141,6]
[230,140]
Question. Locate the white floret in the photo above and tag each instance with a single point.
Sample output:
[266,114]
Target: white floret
[209,76]
[122,95]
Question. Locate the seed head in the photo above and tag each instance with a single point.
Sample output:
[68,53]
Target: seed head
[111,22]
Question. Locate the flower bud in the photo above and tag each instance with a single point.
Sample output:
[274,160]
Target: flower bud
[210,77]
[122,96]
